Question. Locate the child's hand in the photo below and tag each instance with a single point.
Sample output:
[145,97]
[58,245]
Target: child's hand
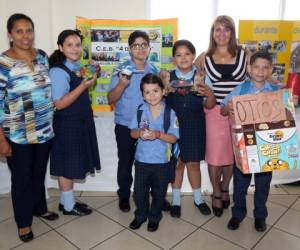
[169,89]
[204,90]
[151,135]
[295,99]
[123,80]
[230,108]
[165,77]
[199,78]
[154,134]
[227,110]
[145,134]
[89,82]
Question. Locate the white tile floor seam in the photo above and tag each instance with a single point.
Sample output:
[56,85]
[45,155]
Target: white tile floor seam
[110,237]
[279,229]
[218,236]
[108,228]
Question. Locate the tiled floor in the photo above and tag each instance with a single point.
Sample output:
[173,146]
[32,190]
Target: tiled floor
[107,227]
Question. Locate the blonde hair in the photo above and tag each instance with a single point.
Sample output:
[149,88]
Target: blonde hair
[228,22]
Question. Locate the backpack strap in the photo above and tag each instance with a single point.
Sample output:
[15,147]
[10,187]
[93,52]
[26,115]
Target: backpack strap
[167,119]
[139,114]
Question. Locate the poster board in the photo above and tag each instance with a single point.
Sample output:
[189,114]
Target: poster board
[106,43]
[293,80]
[273,36]
[264,132]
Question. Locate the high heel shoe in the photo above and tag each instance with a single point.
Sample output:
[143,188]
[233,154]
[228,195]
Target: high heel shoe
[225,203]
[26,237]
[217,211]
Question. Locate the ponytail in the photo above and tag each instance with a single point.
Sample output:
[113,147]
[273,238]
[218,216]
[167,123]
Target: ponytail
[56,57]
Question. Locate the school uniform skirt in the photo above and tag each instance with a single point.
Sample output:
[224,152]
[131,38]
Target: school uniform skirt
[74,151]
[218,138]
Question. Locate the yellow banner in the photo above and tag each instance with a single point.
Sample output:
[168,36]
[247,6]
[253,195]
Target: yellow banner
[273,36]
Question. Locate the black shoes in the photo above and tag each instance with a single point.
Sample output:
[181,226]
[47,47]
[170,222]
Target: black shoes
[203,208]
[49,216]
[233,223]
[225,203]
[61,206]
[134,225]
[78,211]
[26,237]
[124,205]
[260,225]
[166,206]
[217,211]
[152,226]
[175,211]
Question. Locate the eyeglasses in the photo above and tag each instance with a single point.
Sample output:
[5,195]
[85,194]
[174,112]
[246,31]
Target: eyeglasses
[137,46]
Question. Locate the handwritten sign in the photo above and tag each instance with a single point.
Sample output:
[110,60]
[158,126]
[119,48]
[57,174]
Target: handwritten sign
[259,108]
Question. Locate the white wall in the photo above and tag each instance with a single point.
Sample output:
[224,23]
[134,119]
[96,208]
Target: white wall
[52,16]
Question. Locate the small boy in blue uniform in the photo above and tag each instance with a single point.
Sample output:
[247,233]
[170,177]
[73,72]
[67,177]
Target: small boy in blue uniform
[260,69]
[151,159]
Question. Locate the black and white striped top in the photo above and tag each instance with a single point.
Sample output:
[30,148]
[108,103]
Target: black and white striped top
[225,77]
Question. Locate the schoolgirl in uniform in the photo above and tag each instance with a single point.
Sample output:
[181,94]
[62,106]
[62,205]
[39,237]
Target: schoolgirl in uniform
[188,106]
[74,150]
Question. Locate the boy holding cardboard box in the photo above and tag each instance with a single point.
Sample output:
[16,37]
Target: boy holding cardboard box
[259,69]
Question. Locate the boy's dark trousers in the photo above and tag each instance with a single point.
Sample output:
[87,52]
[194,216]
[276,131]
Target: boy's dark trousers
[154,177]
[241,183]
[126,151]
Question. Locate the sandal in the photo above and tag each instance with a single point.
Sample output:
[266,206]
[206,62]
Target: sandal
[217,211]
[225,203]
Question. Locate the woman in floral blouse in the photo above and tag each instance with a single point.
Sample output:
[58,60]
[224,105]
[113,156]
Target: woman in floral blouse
[26,113]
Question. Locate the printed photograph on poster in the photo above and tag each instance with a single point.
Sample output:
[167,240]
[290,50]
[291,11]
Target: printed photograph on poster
[251,46]
[110,47]
[154,35]
[278,72]
[102,88]
[265,45]
[279,46]
[105,35]
[105,73]
[295,57]
[167,40]
[85,52]
[106,57]
[274,57]
[166,59]
[101,100]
